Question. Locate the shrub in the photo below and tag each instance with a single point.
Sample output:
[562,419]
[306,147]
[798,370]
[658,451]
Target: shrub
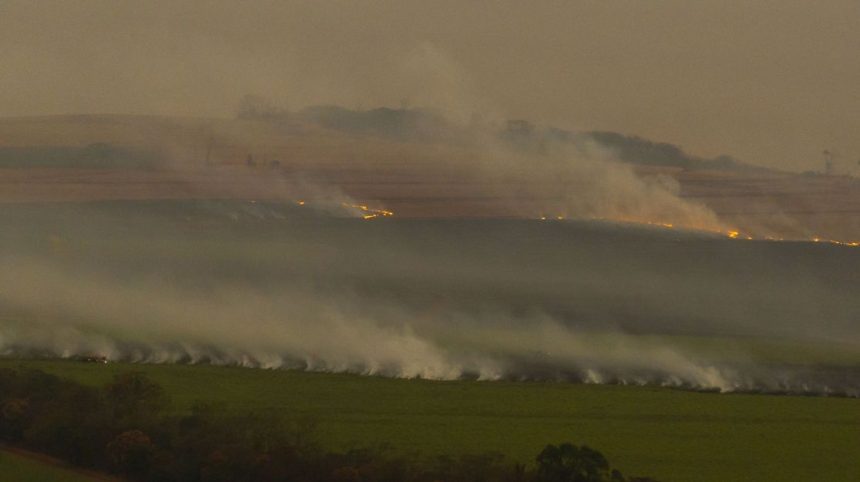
[569,463]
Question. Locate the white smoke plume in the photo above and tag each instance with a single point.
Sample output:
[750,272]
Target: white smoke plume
[435,299]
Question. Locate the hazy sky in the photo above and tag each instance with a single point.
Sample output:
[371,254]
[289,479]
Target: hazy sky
[771,82]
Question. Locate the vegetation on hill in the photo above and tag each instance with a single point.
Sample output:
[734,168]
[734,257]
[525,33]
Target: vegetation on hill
[422,124]
[524,135]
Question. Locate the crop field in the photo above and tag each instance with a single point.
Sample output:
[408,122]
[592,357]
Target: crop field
[664,433]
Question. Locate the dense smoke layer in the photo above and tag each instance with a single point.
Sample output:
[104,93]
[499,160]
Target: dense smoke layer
[289,286]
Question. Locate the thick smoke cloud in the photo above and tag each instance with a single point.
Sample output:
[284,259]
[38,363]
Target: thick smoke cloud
[284,286]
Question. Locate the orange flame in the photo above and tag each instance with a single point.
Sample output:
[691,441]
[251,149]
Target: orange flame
[731,233]
[366,211]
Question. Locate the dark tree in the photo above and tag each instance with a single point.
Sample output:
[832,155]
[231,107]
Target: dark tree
[132,396]
[569,463]
[131,453]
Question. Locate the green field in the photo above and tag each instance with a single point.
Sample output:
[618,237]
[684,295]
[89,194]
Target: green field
[669,434]
[16,468]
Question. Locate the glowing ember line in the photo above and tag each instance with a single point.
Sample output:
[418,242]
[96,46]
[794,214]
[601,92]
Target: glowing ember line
[366,211]
[731,233]
[369,213]
[851,244]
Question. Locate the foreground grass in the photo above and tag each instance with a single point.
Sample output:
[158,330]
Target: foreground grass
[667,434]
[17,468]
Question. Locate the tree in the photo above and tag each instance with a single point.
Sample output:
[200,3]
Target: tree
[569,463]
[131,453]
[14,417]
[257,107]
[132,395]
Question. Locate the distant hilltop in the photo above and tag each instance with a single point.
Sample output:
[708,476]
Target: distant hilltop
[414,162]
[415,124]
[137,141]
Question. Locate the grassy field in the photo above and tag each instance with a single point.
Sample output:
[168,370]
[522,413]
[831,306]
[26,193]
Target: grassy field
[16,468]
[669,434]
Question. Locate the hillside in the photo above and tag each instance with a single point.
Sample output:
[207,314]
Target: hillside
[75,158]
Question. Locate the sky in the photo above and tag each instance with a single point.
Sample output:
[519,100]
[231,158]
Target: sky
[770,82]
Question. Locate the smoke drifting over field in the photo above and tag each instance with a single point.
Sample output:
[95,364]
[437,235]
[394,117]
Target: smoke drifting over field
[285,286]
[553,287]
[585,181]
[531,252]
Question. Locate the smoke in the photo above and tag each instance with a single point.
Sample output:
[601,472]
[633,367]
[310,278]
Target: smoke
[431,78]
[587,181]
[277,286]
[300,329]
[558,179]
[291,277]
[145,323]
[578,179]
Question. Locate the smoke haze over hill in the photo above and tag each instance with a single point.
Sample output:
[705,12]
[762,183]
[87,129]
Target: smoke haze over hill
[715,77]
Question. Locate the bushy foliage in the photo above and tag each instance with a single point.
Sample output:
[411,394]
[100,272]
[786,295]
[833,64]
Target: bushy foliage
[569,463]
[127,428]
